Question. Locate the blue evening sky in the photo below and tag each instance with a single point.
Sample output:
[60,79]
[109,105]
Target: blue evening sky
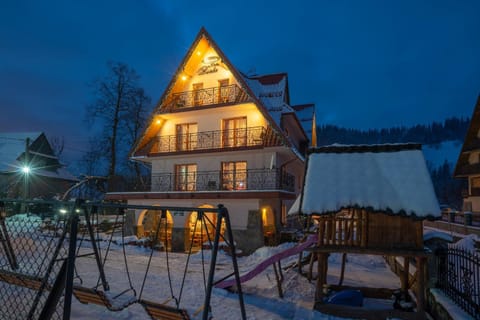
[365,64]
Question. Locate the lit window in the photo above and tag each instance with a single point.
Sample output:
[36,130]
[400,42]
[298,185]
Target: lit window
[234,175]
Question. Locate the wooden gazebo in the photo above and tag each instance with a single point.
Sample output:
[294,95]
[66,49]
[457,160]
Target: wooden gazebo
[368,199]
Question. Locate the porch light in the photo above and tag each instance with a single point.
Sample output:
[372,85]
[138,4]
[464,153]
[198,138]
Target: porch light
[198,53]
[184,77]
[158,121]
[264,216]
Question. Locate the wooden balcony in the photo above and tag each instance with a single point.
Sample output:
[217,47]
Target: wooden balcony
[220,140]
[230,94]
[250,180]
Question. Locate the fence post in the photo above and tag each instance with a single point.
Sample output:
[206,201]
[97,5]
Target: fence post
[441,257]
[72,248]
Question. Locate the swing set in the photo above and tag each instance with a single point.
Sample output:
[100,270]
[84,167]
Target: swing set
[101,293]
[70,282]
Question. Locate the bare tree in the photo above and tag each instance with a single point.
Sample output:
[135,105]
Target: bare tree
[58,145]
[135,120]
[115,97]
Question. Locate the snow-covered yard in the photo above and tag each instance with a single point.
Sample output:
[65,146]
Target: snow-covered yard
[260,293]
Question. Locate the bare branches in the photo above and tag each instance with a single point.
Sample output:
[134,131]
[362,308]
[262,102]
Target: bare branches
[119,106]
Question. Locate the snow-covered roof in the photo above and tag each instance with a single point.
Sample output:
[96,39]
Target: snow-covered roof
[305,114]
[392,178]
[12,146]
[272,91]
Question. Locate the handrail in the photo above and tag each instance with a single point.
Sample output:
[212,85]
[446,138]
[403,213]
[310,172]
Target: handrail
[207,96]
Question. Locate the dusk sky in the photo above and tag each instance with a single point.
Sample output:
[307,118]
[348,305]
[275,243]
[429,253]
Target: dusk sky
[365,64]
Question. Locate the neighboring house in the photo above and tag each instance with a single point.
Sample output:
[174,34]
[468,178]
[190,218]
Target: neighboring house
[46,178]
[468,164]
[218,136]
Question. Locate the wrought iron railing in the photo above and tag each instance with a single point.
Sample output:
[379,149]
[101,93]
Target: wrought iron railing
[458,274]
[219,139]
[252,179]
[204,97]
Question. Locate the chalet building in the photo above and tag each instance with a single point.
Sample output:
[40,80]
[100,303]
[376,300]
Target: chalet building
[218,136]
[46,177]
[468,164]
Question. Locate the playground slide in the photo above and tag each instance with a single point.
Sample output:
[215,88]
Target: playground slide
[311,240]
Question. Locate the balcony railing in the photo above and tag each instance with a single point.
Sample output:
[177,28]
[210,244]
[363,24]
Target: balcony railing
[204,97]
[252,179]
[220,139]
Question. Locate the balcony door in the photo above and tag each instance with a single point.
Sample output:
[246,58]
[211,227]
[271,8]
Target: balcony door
[197,94]
[235,132]
[234,175]
[223,91]
[185,177]
[186,136]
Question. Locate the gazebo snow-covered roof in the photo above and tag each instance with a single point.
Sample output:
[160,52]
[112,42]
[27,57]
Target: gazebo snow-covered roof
[391,178]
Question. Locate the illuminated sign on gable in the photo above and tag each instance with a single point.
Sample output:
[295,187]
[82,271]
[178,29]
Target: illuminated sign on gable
[210,65]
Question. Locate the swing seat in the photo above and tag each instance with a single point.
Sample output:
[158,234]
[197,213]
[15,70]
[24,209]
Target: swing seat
[159,311]
[98,297]
[21,280]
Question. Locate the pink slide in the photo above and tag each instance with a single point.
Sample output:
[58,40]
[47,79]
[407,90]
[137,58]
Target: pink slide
[264,264]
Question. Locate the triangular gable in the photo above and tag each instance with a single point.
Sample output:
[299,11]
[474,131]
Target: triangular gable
[189,66]
[12,147]
[471,144]
[12,153]
[391,178]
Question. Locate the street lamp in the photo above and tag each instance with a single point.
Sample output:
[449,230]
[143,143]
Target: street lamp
[26,169]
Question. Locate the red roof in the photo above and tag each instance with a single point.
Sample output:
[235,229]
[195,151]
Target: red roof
[270,78]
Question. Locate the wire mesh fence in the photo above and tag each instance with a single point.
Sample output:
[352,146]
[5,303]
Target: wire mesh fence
[32,252]
[40,243]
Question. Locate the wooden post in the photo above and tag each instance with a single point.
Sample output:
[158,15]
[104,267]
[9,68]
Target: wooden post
[321,278]
[420,284]
[321,231]
[364,228]
[279,278]
[405,274]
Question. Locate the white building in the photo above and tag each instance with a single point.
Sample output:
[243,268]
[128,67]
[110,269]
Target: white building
[218,136]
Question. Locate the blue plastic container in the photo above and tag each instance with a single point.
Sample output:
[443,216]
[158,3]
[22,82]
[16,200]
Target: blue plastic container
[352,298]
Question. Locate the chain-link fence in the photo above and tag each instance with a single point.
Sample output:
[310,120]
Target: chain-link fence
[40,242]
[32,252]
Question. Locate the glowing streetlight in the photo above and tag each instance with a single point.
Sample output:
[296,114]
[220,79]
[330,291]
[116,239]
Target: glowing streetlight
[26,169]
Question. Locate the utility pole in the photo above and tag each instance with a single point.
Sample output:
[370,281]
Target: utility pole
[26,169]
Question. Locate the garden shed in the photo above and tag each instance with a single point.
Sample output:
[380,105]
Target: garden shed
[368,199]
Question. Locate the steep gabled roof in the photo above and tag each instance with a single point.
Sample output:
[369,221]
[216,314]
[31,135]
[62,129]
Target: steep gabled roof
[203,35]
[306,116]
[471,144]
[272,91]
[391,178]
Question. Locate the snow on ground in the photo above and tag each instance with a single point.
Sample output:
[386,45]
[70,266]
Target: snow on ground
[260,293]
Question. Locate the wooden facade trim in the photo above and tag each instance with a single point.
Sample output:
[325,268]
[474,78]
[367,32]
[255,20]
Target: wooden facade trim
[202,195]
